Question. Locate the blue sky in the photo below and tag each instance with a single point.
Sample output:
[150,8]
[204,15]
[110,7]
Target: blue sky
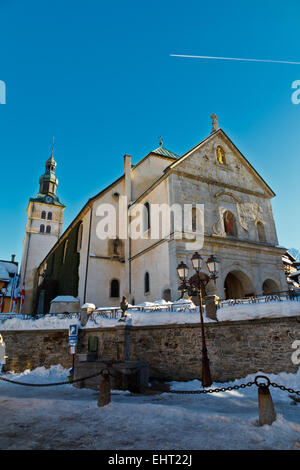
[98,76]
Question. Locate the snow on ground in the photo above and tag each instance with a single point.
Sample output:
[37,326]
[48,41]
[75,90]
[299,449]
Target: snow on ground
[137,318]
[64,417]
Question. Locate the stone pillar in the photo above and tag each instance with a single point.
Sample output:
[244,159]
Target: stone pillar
[211,302]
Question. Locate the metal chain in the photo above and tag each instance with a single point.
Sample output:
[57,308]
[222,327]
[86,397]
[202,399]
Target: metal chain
[71,381]
[237,387]
[212,390]
[282,387]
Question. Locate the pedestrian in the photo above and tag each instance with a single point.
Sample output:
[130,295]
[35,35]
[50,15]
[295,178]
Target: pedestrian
[3,357]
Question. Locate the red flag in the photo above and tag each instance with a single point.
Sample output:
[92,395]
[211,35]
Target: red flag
[23,293]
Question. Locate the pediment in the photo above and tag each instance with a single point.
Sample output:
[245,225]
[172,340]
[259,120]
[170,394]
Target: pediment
[217,159]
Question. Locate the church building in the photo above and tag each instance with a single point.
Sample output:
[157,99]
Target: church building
[239,230]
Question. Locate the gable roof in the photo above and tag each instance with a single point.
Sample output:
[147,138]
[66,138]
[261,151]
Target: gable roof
[211,136]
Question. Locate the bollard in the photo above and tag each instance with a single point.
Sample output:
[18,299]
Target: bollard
[104,388]
[266,410]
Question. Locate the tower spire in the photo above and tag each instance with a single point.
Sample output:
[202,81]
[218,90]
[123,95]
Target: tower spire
[48,181]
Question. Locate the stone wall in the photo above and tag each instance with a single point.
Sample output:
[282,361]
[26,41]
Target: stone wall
[28,349]
[235,349]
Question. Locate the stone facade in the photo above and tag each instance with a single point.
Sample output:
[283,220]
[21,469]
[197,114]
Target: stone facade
[226,184]
[235,349]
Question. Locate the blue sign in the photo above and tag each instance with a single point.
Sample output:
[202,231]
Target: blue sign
[73,330]
[73,340]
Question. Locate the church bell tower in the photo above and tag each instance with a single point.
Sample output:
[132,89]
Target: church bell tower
[43,228]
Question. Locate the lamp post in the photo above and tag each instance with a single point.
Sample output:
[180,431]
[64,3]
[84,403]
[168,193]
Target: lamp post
[198,283]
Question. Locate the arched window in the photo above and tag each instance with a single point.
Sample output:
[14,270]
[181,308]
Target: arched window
[49,216]
[48,229]
[43,215]
[261,232]
[65,250]
[221,155]
[229,224]
[147,218]
[194,219]
[79,237]
[114,288]
[42,228]
[147,282]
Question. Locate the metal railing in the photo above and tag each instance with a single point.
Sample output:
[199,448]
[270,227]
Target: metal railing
[256,299]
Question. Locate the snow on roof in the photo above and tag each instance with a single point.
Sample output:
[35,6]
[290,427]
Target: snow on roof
[65,298]
[89,306]
[4,275]
[9,266]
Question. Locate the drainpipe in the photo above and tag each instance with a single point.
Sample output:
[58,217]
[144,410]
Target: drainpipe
[128,194]
[88,253]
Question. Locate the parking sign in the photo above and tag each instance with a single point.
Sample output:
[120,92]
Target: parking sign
[73,330]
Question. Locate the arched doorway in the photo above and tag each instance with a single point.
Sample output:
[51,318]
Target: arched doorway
[237,285]
[269,287]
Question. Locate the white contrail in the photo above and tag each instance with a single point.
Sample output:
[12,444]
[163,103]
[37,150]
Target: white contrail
[233,58]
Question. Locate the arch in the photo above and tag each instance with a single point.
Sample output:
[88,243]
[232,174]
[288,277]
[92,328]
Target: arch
[237,285]
[228,194]
[147,282]
[114,288]
[229,224]
[43,215]
[49,216]
[261,231]
[269,287]
[48,229]
[42,228]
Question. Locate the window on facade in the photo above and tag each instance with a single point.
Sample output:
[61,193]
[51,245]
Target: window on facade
[230,224]
[114,288]
[147,282]
[194,219]
[49,216]
[65,250]
[261,231]
[48,229]
[79,237]
[43,215]
[147,219]
[42,228]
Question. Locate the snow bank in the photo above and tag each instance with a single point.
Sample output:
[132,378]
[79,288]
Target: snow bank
[70,419]
[272,309]
[162,316]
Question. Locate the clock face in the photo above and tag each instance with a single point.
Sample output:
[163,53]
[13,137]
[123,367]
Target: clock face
[48,199]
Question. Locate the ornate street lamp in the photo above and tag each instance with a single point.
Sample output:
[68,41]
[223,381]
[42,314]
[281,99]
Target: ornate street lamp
[198,282]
